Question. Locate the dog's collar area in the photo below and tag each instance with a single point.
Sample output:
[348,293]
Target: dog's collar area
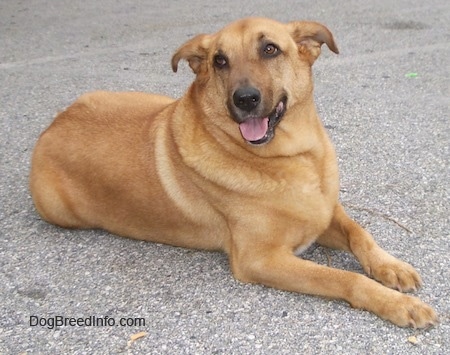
[258,131]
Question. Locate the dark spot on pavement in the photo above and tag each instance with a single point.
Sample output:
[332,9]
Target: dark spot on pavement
[405,25]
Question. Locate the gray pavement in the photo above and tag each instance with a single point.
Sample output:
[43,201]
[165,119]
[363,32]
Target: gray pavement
[390,127]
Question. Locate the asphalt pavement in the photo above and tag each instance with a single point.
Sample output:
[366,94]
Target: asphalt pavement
[384,100]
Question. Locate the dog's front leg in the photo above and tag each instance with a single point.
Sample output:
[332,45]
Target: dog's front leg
[278,267]
[344,233]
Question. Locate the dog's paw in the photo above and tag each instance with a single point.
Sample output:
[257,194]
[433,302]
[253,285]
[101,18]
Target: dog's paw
[408,311]
[394,273]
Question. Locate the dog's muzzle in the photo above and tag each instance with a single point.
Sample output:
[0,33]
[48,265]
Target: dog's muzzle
[256,127]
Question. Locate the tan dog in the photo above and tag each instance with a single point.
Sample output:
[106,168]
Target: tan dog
[241,163]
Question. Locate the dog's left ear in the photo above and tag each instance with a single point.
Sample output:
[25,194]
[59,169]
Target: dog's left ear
[195,51]
[310,36]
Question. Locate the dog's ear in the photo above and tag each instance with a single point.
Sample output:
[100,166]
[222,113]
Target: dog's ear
[310,36]
[195,51]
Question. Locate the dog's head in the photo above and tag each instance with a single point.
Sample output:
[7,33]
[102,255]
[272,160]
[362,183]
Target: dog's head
[253,71]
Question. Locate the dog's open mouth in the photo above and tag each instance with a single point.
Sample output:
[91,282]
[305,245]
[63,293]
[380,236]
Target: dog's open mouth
[260,130]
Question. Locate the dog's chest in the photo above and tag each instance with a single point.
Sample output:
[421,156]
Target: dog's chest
[307,197]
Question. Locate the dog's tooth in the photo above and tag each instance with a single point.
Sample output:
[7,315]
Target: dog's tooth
[279,107]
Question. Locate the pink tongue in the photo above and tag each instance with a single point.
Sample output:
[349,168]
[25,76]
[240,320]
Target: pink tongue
[254,129]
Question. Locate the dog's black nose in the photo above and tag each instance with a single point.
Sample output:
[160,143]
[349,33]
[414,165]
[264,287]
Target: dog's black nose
[246,98]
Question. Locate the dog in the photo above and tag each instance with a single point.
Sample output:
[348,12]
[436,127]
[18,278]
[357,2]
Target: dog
[241,163]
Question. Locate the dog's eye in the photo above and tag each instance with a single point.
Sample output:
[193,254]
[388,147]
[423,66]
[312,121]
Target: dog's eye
[220,61]
[271,50]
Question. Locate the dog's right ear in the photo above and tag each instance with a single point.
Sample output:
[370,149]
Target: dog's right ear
[195,51]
